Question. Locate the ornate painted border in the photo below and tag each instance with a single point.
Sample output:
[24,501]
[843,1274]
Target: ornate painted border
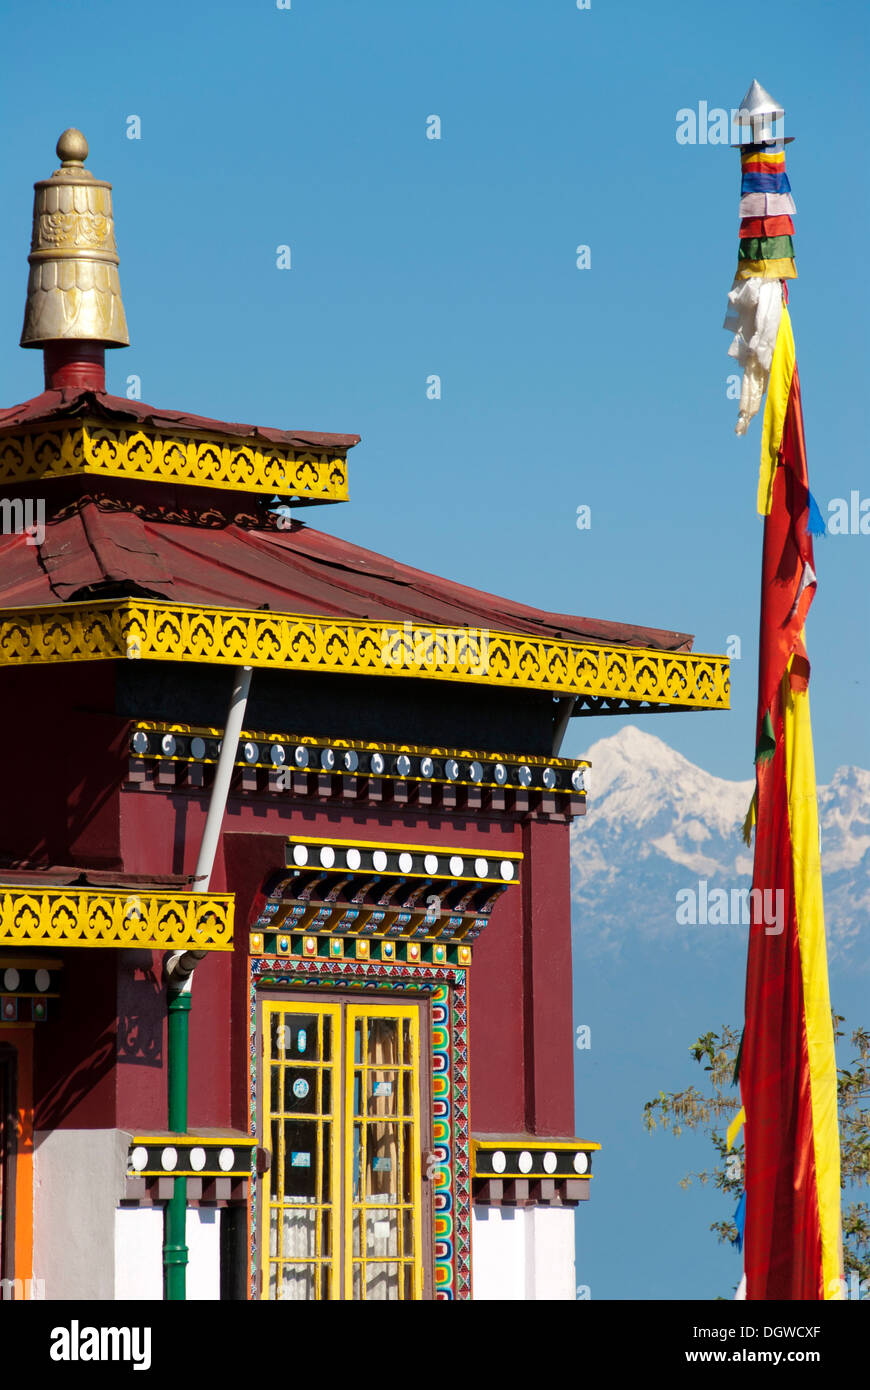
[35,916]
[449,1094]
[197,458]
[150,630]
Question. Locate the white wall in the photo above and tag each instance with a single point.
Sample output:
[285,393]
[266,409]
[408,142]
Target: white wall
[204,1246]
[86,1246]
[79,1177]
[139,1253]
[523,1253]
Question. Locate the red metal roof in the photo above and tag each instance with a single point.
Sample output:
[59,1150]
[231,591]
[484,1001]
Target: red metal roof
[91,550]
[70,402]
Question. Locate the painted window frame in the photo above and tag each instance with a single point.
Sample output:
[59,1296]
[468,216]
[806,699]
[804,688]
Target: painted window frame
[338,1003]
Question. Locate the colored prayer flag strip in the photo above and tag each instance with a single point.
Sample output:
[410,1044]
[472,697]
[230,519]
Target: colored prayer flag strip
[767,270]
[766,226]
[771,248]
[734,1128]
[766,204]
[762,159]
[753,181]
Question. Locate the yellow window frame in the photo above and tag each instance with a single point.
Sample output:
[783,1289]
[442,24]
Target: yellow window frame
[283,1008]
[353,1014]
[342,1117]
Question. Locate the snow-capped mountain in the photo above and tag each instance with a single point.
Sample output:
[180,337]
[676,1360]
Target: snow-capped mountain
[657,825]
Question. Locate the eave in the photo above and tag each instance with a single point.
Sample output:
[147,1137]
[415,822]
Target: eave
[141,629]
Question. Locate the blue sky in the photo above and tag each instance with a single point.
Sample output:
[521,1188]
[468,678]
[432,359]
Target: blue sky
[561,387]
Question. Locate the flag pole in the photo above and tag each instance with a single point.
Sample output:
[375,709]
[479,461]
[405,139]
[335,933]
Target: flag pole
[792,1243]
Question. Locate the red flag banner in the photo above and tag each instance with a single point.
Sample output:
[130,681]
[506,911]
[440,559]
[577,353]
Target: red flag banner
[788,1078]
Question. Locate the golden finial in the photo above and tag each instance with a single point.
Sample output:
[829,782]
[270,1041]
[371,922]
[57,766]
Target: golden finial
[74,291]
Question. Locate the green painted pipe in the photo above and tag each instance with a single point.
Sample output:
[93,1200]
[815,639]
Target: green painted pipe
[175,1217]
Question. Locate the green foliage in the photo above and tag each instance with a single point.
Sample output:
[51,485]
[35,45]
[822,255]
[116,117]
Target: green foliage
[712,1108]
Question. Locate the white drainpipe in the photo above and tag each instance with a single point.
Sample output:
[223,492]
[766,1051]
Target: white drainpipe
[180,965]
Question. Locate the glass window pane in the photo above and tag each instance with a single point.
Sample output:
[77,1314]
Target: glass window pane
[359,1039]
[409,1159]
[273,1280]
[325,1163]
[297,1284]
[273,1231]
[381,1158]
[382,1233]
[408,1281]
[300,1233]
[357,1283]
[299,1037]
[383,1045]
[407,1040]
[407,1230]
[325,1091]
[326,1037]
[300,1090]
[300,1158]
[275,1089]
[356,1225]
[408,1094]
[382,1282]
[275,1170]
[357,1160]
[383,1092]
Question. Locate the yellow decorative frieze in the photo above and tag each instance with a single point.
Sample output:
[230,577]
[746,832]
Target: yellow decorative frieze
[194,457]
[35,916]
[150,630]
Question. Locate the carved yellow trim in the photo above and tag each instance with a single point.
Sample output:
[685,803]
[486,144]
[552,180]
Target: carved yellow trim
[149,630]
[114,917]
[194,457]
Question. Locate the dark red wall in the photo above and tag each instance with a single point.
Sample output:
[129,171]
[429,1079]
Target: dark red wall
[103,1063]
[521,1045]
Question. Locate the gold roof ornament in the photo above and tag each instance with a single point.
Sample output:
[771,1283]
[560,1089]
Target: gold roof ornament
[74,292]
